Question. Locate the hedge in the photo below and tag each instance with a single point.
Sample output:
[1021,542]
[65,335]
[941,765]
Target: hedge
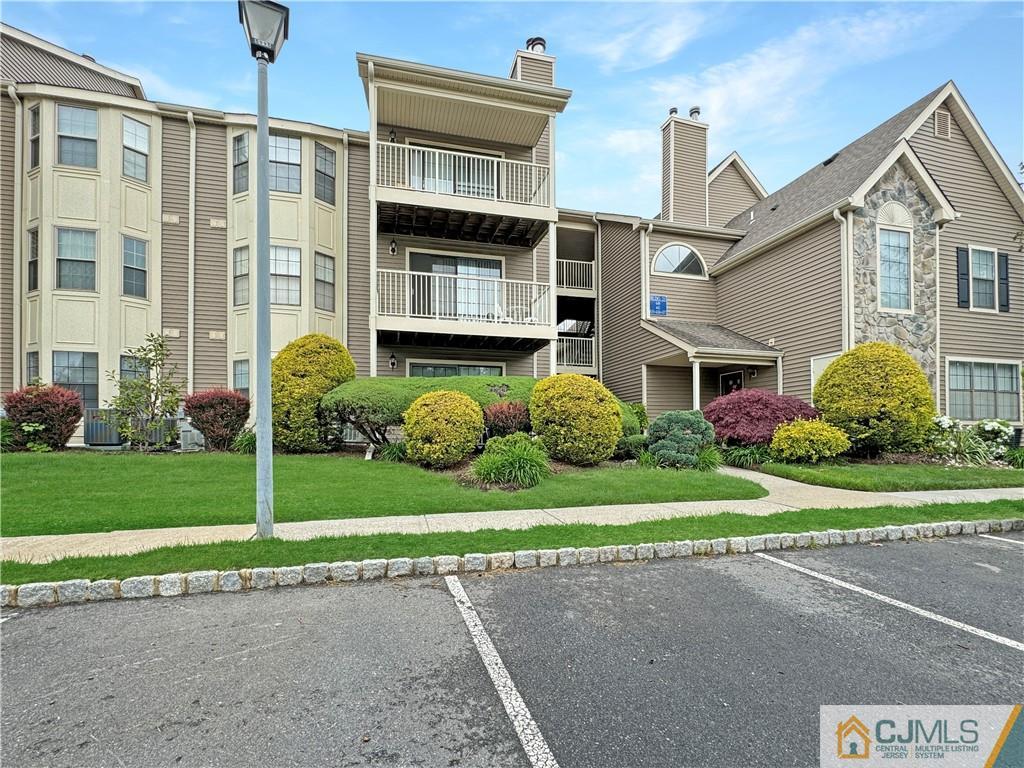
[220,414]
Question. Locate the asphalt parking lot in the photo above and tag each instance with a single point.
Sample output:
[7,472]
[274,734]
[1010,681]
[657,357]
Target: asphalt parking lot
[693,662]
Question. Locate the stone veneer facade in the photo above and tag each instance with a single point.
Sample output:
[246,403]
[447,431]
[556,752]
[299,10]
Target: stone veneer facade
[915,332]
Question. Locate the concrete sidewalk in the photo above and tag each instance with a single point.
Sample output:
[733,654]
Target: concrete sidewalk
[783,494]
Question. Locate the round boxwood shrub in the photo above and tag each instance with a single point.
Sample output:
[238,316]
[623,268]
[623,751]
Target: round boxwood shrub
[220,414]
[808,441]
[300,375]
[441,428]
[577,419]
[677,437]
[506,417]
[879,396]
[750,416]
[43,415]
[516,461]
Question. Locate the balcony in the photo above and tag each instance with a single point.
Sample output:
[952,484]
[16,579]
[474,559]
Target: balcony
[576,355]
[424,308]
[576,277]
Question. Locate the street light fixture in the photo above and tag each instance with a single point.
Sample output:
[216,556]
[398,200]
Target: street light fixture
[266,29]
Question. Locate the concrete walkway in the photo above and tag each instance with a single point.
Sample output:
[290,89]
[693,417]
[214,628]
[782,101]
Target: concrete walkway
[783,494]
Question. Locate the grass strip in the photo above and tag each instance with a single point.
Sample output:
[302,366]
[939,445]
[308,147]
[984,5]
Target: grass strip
[898,477]
[276,552]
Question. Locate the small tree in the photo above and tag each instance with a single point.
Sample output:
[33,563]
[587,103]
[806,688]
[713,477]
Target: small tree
[145,400]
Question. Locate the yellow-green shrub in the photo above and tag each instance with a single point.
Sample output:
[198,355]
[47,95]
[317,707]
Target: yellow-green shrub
[302,373]
[577,419]
[808,441]
[441,428]
[879,396]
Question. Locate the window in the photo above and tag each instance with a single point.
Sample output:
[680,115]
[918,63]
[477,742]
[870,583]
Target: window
[323,273]
[76,136]
[983,278]
[323,184]
[133,368]
[285,163]
[240,376]
[135,137]
[285,269]
[240,161]
[134,267]
[79,372]
[76,259]
[678,259]
[31,367]
[455,369]
[33,137]
[240,276]
[32,272]
[980,390]
[894,271]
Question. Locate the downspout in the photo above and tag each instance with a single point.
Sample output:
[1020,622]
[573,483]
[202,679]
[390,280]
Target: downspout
[372,91]
[190,376]
[552,246]
[343,315]
[938,315]
[849,267]
[844,278]
[645,233]
[16,295]
[599,308]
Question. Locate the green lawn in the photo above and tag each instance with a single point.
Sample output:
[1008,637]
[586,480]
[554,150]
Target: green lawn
[275,552]
[81,492]
[898,477]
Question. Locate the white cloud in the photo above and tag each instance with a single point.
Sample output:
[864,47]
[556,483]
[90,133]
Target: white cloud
[159,88]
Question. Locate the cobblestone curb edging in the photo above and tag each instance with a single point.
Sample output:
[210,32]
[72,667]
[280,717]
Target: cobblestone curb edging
[76,591]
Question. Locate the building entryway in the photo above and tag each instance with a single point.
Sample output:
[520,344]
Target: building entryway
[731,381]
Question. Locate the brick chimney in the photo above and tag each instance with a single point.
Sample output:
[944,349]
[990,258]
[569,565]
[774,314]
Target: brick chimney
[684,168]
[532,64]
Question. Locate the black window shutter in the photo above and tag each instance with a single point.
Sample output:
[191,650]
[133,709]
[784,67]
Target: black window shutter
[963,279]
[1004,282]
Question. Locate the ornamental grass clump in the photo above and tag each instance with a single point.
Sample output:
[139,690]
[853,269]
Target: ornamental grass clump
[808,441]
[516,461]
[576,418]
[677,437]
[750,416]
[442,428]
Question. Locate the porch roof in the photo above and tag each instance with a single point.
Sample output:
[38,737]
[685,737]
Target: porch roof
[701,339]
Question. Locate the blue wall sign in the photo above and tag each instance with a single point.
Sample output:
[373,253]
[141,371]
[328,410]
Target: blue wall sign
[659,305]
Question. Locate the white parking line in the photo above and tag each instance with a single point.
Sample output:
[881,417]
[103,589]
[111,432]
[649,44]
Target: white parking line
[526,727]
[897,603]
[1000,538]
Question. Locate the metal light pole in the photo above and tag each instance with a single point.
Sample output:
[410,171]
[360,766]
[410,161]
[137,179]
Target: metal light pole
[266,29]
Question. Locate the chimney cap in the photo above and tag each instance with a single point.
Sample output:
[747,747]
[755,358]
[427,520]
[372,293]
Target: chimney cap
[694,112]
[673,111]
[536,45]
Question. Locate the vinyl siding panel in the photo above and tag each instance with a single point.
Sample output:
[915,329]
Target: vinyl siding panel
[536,71]
[792,294]
[459,143]
[8,297]
[211,270]
[688,298]
[987,219]
[728,196]
[689,173]
[358,270]
[174,241]
[669,388]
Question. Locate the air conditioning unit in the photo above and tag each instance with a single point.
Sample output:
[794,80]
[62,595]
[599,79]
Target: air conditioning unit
[98,431]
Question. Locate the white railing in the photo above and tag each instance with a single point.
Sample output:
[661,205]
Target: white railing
[575,352]
[575,274]
[441,171]
[462,298]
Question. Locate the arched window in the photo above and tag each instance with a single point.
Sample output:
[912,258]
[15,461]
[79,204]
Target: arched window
[679,259]
[895,258]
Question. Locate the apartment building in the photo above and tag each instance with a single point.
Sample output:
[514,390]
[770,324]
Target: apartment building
[431,243]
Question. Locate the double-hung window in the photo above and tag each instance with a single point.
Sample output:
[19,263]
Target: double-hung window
[76,259]
[894,270]
[31,367]
[984,390]
[134,268]
[240,163]
[135,160]
[240,276]
[285,163]
[323,269]
[32,272]
[983,278]
[285,271]
[240,376]
[323,183]
[133,368]
[79,372]
[33,137]
[76,136]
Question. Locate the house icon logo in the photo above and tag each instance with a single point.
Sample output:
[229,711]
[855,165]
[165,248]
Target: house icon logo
[853,740]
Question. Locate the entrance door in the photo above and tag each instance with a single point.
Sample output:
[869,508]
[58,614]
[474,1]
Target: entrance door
[730,382]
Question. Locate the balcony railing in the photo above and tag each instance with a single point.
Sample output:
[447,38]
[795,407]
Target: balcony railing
[461,298]
[575,352]
[576,274]
[440,171]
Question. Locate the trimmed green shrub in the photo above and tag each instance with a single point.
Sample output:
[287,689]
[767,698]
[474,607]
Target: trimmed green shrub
[394,453]
[709,458]
[629,447]
[244,443]
[640,411]
[506,417]
[745,456]
[43,416]
[631,424]
[441,428]
[676,437]
[808,441]
[300,375]
[516,461]
[577,419]
[220,414]
[879,396]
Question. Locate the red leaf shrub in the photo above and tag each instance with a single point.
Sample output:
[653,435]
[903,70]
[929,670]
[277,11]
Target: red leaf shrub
[57,409]
[505,417]
[220,414]
[750,416]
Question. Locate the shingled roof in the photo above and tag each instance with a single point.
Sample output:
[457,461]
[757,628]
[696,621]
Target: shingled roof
[700,335]
[829,181]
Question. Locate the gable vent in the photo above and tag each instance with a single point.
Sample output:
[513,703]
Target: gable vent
[942,124]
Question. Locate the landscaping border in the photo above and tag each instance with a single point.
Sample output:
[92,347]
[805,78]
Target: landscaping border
[77,591]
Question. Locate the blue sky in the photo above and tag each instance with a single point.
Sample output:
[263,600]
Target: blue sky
[785,84]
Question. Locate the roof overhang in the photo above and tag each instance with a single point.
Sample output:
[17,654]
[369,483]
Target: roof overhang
[944,210]
[743,169]
[715,354]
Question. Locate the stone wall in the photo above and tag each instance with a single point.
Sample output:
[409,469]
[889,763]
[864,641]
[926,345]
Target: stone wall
[914,332]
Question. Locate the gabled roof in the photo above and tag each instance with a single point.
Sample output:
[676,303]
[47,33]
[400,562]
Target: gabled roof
[25,58]
[702,339]
[743,169]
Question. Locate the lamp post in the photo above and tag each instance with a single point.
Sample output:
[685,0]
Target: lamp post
[266,29]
